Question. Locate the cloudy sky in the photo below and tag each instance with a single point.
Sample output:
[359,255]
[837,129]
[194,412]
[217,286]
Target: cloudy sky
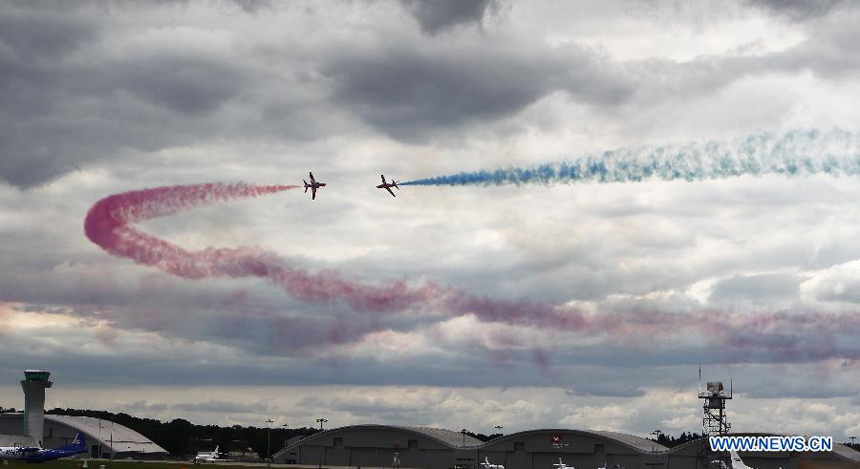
[581,305]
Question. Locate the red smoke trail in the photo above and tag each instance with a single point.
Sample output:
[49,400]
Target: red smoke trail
[807,337]
[108,224]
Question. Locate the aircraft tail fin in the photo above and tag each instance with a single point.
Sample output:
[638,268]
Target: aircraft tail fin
[79,444]
[737,462]
[306,186]
[394,183]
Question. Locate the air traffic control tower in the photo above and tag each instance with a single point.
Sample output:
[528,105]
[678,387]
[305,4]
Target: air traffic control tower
[34,384]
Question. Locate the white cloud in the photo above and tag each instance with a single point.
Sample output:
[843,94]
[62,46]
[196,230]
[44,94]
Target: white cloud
[148,95]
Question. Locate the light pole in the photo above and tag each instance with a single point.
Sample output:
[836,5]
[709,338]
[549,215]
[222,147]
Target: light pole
[499,428]
[285,435]
[321,420]
[852,438]
[268,440]
[656,434]
[464,431]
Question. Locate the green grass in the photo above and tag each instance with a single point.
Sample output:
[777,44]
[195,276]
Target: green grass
[94,464]
[118,464]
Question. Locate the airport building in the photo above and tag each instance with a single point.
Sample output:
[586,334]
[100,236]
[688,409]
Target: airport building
[432,448]
[34,428]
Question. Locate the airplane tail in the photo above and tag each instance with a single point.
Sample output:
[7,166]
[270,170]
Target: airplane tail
[394,183]
[306,186]
[79,444]
[80,441]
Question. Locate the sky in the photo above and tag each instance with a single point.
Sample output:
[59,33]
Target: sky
[580,304]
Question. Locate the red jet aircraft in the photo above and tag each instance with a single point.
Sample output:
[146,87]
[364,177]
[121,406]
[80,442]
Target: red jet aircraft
[314,185]
[387,186]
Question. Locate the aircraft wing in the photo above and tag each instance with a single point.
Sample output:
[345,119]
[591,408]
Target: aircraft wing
[383,178]
[390,191]
[312,177]
[314,193]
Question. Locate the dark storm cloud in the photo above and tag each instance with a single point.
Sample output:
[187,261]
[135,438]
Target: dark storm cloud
[59,117]
[82,86]
[438,15]
[799,10]
[64,106]
[187,365]
[409,93]
[829,54]
[34,36]
[31,45]
[184,84]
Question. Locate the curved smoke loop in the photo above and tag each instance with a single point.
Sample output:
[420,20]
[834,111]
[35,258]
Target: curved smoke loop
[786,336]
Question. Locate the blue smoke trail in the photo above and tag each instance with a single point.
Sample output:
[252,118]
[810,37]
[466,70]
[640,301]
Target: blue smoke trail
[795,153]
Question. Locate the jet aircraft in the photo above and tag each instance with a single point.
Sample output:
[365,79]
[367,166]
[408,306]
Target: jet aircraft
[209,457]
[16,452]
[488,465]
[387,186]
[313,186]
[32,454]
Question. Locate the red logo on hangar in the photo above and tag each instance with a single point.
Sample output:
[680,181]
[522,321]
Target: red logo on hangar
[556,439]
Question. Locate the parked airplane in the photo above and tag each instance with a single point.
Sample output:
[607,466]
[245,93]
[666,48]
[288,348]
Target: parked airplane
[16,452]
[78,445]
[209,457]
[313,186]
[488,465]
[387,186]
[562,465]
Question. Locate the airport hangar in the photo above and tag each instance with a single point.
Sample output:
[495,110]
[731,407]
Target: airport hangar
[34,428]
[434,448]
[104,438]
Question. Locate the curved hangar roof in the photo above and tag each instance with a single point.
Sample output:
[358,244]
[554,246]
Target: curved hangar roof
[624,439]
[440,435]
[455,439]
[448,437]
[124,439]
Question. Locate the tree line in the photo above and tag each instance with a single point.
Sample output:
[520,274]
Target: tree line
[181,438]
